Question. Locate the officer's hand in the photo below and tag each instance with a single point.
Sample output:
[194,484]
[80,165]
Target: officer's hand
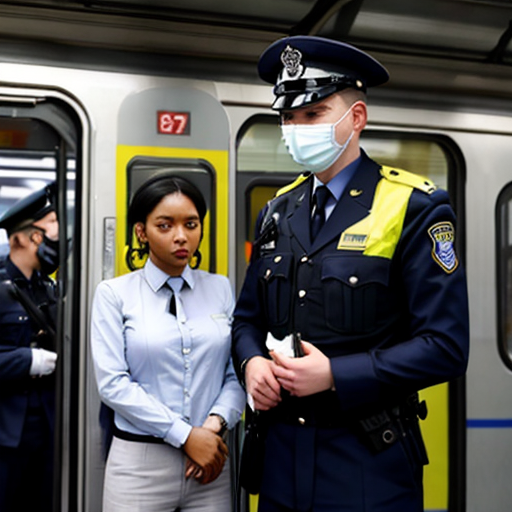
[208,451]
[261,383]
[303,376]
[43,362]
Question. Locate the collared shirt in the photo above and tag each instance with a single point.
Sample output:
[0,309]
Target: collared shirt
[163,374]
[337,185]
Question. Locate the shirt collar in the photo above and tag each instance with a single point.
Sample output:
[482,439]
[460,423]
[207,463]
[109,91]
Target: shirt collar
[157,278]
[337,184]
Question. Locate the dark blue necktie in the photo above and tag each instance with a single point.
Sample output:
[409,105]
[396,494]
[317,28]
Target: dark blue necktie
[318,219]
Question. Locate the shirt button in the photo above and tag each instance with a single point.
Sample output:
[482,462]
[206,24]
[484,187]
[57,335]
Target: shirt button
[353,279]
[185,351]
[302,293]
[187,366]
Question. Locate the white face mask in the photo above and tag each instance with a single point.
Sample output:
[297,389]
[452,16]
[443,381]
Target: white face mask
[314,146]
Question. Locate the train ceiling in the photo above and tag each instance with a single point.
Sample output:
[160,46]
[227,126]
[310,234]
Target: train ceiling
[462,36]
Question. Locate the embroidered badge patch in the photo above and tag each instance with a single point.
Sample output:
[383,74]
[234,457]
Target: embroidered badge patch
[443,250]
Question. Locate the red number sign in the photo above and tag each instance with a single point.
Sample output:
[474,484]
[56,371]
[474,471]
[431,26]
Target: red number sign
[173,123]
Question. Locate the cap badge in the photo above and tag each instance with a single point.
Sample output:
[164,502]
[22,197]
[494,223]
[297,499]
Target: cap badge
[291,59]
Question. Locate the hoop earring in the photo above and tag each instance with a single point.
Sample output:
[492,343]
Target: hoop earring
[197,262]
[136,254]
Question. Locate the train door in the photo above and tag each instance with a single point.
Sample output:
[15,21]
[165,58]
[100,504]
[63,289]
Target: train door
[263,166]
[41,141]
[489,383]
[178,130]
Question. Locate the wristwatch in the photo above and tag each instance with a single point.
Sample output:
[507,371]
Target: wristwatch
[223,424]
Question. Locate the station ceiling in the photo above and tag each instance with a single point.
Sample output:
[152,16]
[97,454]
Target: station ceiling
[455,34]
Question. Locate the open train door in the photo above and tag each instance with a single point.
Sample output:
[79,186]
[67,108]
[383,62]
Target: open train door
[43,138]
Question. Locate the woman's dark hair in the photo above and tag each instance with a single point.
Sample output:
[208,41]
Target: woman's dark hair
[147,197]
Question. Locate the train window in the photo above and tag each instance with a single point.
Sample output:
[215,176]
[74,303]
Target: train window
[198,172]
[424,156]
[27,162]
[504,272]
[260,148]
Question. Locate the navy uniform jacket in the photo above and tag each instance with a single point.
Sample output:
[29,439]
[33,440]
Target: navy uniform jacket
[390,326]
[17,332]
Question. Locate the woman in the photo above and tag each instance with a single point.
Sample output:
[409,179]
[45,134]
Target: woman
[161,351]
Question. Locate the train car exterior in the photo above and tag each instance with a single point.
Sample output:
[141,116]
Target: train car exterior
[101,133]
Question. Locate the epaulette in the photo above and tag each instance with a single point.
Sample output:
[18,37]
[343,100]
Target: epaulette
[408,178]
[303,177]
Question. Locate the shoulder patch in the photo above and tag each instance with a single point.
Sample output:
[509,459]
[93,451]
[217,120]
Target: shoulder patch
[294,184]
[408,178]
[443,250]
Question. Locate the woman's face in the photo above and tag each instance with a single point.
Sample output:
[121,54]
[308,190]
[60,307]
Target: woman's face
[172,232]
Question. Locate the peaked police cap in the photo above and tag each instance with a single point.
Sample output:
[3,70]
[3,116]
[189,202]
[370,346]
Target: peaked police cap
[29,209]
[307,69]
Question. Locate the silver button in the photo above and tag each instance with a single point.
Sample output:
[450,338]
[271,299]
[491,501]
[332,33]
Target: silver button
[277,259]
[268,272]
[353,279]
[302,421]
[186,351]
[304,259]
[302,293]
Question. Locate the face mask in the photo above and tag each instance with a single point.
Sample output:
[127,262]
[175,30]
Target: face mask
[314,146]
[48,255]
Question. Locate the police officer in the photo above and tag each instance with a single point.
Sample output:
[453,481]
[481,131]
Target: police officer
[359,260]
[27,354]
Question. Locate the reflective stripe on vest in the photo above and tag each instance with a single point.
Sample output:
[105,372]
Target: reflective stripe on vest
[378,233]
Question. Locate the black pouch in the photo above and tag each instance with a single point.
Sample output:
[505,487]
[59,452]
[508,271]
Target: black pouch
[378,431]
[253,453]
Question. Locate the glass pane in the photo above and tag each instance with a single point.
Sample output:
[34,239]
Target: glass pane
[424,157]
[261,149]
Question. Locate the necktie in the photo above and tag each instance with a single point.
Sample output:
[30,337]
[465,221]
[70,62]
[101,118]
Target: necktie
[318,219]
[175,284]
[172,304]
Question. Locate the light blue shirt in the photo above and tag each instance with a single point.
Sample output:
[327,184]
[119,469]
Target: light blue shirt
[337,185]
[163,374]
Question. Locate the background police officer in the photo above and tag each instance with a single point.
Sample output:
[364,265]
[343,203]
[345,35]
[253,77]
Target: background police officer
[359,260]
[27,354]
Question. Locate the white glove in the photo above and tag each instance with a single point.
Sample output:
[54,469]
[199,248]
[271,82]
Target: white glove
[43,362]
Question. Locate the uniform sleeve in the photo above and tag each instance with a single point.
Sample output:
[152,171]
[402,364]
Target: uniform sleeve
[15,335]
[231,400]
[434,334]
[115,384]
[14,363]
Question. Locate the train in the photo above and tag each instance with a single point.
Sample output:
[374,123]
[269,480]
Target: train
[99,96]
